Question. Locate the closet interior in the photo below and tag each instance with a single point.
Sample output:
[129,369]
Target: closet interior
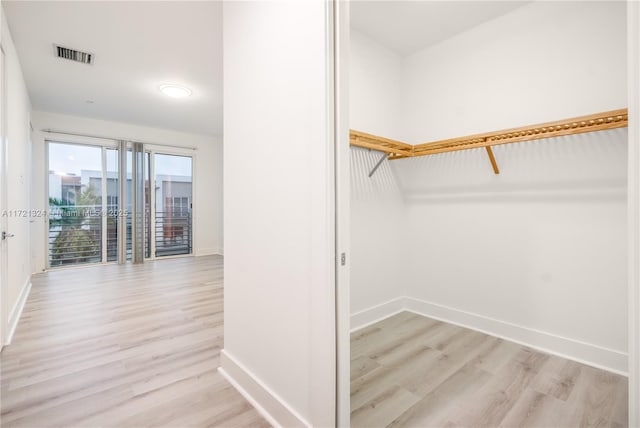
[488,213]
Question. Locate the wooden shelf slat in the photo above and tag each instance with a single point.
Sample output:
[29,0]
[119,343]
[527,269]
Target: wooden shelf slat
[368,141]
[576,125]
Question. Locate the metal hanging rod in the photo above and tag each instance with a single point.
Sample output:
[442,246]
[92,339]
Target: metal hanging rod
[102,137]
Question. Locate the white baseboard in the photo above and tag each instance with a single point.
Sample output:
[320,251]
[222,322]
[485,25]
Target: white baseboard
[210,252]
[274,409]
[376,313]
[207,252]
[582,352]
[16,312]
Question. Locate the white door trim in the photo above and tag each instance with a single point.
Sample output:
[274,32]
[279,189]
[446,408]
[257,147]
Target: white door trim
[152,199]
[633,195]
[633,86]
[343,211]
[4,308]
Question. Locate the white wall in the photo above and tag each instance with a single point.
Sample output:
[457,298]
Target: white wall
[278,210]
[544,61]
[18,176]
[377,206]
[207,202]
[374,87]
[378,241]
[538,253]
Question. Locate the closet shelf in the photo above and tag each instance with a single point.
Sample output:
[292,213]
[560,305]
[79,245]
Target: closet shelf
[576,125]
[381,144]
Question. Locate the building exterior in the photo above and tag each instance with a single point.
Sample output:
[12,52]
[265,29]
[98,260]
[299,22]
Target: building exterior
[75,228]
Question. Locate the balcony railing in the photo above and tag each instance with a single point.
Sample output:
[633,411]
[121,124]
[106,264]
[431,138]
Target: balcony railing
[172,233]
[75,235]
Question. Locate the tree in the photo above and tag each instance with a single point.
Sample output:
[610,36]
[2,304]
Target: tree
[77,239]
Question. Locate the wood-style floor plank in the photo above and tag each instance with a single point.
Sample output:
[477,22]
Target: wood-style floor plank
[412,371]
[122,346]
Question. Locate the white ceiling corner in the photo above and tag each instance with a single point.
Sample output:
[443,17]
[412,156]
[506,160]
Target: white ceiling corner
[409,26]
[137,46]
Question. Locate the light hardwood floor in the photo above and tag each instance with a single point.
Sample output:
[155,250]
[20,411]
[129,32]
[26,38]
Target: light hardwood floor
[122,346]
[413,371]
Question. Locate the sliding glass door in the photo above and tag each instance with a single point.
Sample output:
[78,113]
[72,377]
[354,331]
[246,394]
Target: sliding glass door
[171,200]
[75,205]
[85,204]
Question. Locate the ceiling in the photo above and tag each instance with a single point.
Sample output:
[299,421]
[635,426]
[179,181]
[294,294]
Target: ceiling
[409,26]
[137,46]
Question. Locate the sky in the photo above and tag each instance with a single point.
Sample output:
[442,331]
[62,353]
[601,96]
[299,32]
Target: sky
[73,158]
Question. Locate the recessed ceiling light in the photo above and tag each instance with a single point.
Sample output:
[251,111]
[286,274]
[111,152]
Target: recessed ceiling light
[175,91]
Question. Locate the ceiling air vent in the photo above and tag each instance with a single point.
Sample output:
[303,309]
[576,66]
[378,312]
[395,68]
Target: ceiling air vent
[73,55]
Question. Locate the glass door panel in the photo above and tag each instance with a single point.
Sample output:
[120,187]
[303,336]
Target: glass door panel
[148,219]
[173,202]
[75,204]
[111,204]
[128,204]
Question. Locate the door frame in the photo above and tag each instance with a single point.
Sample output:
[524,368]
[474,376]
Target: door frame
[341,29]
[103,146]
[341,32]
[633,207]
[170,151]
[4,307]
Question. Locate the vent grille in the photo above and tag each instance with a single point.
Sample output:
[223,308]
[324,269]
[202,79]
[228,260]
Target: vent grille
[73,55]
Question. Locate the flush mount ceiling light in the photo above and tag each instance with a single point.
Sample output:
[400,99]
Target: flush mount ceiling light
[175,91]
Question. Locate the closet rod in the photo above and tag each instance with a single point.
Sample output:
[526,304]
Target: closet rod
[576,125]
[77,134]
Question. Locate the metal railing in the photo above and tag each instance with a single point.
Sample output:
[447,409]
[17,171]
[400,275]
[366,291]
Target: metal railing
[172,233]
[75,234]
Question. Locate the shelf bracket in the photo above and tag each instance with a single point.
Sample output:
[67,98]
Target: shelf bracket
[492,158]
[384,156]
